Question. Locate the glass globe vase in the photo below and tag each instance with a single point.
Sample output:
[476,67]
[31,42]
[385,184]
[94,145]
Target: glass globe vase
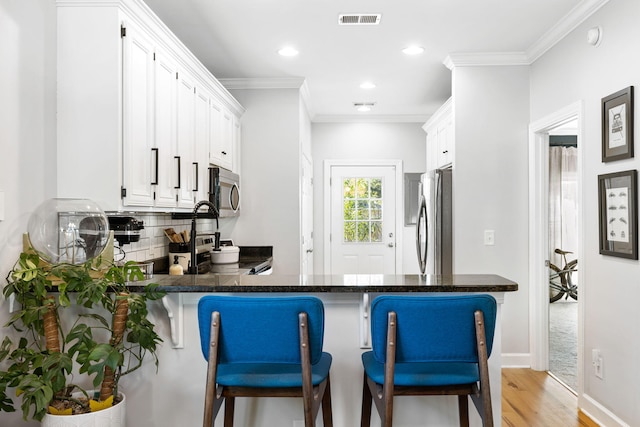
[68,230]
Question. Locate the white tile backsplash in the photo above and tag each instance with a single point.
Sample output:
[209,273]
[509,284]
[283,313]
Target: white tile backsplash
[153,243]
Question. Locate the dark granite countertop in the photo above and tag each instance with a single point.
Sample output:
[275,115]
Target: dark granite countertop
[331,284]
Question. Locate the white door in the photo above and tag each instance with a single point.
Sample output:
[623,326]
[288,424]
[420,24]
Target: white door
[307,217]
[363,219]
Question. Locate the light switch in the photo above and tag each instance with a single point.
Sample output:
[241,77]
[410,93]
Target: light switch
[489,237]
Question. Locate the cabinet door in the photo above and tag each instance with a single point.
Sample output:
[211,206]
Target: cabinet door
[445,142]
[202,141]
[221,153]
[237,136]
[215,132]
[432,149]
[186,140]
[165,131]
[138,94]
[227,140]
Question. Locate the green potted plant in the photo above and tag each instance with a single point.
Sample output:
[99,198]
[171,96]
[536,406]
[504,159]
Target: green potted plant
[79,325]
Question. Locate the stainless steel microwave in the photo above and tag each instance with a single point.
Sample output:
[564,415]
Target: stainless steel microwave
[224,191]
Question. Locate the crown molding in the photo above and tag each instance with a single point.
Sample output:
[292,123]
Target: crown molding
[263,83]
[553,36]
[563,27]
[473,59]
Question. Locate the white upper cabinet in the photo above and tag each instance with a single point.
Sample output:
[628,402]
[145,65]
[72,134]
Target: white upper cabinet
[186,157]
[221,152]
[139,153]
[440,137]
[165,174]
[202,144]
[138,115]
[235,149]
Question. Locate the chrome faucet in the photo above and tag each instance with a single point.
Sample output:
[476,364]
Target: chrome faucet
[193,268]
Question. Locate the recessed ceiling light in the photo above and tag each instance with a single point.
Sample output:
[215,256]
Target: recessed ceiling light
[367,85]
[288,51]
[363,106]
[413,50]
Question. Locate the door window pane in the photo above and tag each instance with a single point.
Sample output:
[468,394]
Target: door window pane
[362,210]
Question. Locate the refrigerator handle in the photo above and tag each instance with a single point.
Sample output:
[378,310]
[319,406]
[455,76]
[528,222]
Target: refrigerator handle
[422,220]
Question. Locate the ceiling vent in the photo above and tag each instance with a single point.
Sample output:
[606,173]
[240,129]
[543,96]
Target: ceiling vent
[359,19]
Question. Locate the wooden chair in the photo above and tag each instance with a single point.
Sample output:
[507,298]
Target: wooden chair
[264,347]
[429,345]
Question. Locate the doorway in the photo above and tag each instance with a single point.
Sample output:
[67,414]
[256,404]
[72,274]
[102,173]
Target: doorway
[539,234]
[361,217]
[563,247]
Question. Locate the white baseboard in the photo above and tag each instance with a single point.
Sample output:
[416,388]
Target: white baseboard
[599,413]
[516,360]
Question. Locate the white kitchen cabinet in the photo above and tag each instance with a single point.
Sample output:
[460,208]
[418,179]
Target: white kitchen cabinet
[186,158]
[131,133]
[215,132]
[235,149]
[202,143]
[440,137]
[165,176]
[150,169]
[221,153]
[139,150]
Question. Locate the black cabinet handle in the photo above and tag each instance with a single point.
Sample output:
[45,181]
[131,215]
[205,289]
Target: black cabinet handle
[155,180]
[178,159]
[197,181]
[224,153]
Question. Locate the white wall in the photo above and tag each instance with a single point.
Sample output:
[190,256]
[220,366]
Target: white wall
[403,141]
[270,175]
[27,127]
[570,72]
[490,179]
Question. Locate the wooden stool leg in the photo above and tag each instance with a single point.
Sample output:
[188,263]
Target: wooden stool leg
[365,415]
[327,417]
[463,410]
[229,408]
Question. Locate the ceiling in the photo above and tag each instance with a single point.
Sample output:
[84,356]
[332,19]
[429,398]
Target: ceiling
[239,39]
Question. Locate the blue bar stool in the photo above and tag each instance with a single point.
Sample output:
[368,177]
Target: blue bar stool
[264,347]
[429,345]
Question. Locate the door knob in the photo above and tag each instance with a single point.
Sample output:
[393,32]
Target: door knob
[391,245]
[309,251]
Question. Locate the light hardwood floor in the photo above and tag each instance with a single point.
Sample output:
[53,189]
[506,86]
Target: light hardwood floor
[535,399]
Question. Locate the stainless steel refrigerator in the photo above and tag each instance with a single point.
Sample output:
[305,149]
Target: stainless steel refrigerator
[434,225]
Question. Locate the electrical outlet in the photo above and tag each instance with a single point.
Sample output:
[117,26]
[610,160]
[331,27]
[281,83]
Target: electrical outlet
[597,362]
[489,237]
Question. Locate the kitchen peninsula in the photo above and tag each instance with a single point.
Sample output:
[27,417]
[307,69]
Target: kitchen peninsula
[346,299]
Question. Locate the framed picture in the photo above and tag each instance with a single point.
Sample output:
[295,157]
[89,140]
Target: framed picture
[618,203]
[617,125]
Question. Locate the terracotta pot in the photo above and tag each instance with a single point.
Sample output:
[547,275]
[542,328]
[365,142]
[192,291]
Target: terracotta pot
[110,417]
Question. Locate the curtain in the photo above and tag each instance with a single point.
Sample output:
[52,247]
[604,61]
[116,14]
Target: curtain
[563,202]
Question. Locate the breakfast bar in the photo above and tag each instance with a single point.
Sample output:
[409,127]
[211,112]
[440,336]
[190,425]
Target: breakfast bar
[346,299]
